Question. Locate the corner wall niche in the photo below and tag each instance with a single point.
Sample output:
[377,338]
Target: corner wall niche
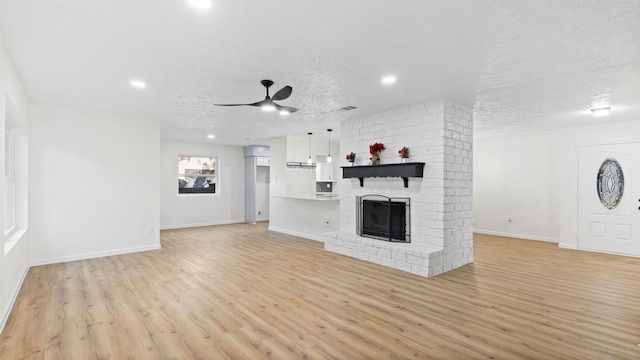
[403,170]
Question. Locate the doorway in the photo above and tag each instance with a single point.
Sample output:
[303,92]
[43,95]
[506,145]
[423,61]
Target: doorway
[609,198]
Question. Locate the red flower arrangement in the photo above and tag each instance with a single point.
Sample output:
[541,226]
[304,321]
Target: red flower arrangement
[351,157]
[404,152]
[376,148]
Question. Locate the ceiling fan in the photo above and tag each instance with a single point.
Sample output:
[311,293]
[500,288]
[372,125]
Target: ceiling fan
[268,103]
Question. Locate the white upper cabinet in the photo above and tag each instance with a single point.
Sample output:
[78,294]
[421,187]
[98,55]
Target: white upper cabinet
[324,169]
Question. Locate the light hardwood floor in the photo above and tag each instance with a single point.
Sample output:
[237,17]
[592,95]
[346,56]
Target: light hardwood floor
[242,292]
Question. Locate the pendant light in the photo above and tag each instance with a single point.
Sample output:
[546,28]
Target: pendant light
[329,157]
[309,161]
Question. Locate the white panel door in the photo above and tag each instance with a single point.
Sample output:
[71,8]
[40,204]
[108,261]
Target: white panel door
[609,198]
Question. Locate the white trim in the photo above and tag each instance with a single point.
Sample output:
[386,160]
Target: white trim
[94,255]
[612,142]
[7,311]
[608,252]
[517,236]
[13,240]
[299,234]
[198,194]
[217,174]
[568,246]
[181,226]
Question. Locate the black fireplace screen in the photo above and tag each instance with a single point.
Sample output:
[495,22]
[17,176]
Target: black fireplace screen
[384,218]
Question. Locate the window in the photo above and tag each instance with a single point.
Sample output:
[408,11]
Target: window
[610,184]
[197,175]
[16,174]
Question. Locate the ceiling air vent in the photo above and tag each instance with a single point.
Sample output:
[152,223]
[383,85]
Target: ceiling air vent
[348,108]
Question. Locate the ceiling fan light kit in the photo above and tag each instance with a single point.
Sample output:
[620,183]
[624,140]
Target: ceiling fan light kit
[268,107]
[268,104]
[601,111]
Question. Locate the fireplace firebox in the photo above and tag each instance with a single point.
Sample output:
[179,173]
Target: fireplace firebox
[383,218]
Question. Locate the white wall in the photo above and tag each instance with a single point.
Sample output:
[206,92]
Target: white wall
[93,183]
[186,210]
[517,178]
[13,264]
[262,193]
[277,170]
[533,179]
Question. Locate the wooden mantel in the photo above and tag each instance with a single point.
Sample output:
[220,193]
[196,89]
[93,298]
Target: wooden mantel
[403,170]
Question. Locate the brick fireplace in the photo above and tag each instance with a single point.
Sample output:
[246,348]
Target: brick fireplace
[440,134]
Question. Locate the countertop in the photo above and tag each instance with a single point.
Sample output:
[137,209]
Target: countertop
[313,198]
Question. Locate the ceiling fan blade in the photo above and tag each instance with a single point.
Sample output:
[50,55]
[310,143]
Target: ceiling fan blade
[283,93]
[259,103]
[290,109]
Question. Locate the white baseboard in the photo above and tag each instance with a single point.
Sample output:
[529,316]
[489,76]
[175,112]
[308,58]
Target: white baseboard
[94,255]
[182,226]
[7,310]
[568,246]
[517,236]
[298,234]
[575,247]
[607,252]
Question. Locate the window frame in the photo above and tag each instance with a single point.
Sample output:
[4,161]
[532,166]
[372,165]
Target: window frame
[16,176]
[10,211]
[200,177]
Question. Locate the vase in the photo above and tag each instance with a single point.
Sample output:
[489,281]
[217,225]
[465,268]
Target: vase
[405,159]
[375,158]
[353,163]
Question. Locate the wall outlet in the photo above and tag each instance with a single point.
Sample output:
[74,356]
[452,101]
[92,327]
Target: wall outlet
[150,230]
[327,223]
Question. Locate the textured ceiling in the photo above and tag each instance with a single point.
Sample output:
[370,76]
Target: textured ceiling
[523,66]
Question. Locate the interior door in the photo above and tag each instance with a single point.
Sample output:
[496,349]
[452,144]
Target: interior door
[609,198]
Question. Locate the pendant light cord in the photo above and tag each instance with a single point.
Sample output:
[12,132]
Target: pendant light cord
[329,157]
[309,160]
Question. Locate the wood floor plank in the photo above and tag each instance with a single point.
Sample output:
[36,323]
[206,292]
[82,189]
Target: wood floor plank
[243,292]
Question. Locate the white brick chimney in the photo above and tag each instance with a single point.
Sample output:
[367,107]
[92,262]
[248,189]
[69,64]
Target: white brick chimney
[440,134]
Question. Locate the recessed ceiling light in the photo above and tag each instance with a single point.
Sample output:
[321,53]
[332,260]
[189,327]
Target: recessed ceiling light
[211,136]
[388,79]
[200,4]
[138,84]
[601,111]
[284,112]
